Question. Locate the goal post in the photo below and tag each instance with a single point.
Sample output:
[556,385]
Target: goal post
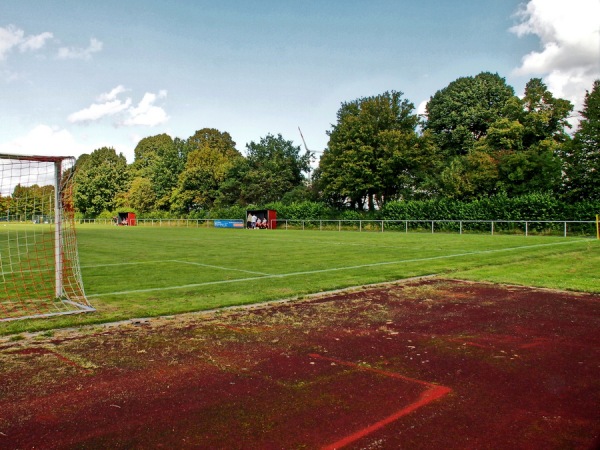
[40,274]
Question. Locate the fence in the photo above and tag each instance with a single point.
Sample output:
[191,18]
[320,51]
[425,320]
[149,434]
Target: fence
[517,227]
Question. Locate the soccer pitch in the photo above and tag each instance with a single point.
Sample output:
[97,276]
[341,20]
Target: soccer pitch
[132,272]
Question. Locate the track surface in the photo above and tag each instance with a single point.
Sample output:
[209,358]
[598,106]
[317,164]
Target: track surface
[423,365]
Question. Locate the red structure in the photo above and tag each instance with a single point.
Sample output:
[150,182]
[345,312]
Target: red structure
[127,219]
[268,217]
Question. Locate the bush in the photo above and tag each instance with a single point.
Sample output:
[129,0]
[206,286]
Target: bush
[500,207]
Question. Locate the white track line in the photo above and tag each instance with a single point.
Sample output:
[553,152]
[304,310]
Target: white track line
[333,269]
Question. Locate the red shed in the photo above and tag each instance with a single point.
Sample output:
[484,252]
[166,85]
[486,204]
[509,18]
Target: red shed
[127,219]
[267,218]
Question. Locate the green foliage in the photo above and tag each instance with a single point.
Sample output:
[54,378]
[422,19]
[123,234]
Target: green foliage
[374,153]
[500,207]
[33,201]
[581,158]
[272,168]
[461,114]
[514,150]
[99,179]
[479,141]
[232,212]
[205,169]
[302,210]
[159,160]
[142,196]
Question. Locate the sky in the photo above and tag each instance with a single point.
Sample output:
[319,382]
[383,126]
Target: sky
[77,75]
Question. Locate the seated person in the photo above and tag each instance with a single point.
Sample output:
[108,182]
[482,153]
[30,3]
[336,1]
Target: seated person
[258,223]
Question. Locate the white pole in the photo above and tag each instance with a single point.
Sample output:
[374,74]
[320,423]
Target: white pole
[58,262]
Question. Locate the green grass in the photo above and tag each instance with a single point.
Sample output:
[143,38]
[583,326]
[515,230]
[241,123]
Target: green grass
[142,271]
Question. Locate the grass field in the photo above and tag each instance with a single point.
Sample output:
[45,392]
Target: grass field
[134,272]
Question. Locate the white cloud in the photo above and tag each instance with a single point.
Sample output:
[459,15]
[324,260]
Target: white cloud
[422,108]
[146,113]
[35,42]
[97,111]
[44,140]
[80,53]
[12,37]
[112,95]
[569,33]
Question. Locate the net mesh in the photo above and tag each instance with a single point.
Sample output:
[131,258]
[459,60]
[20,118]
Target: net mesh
[40,274]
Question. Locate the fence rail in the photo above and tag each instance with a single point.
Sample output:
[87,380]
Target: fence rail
[518,227]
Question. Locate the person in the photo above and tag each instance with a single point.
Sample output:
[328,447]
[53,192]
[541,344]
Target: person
[258,223]
[253,221]
[249,221]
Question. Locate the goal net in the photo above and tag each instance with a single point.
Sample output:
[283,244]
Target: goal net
[40,274]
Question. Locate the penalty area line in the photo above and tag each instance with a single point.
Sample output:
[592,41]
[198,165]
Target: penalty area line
[332,269]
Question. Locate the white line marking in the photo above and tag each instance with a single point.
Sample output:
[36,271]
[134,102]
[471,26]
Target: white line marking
[220,267]
[172,261]
[333,269]
[135,263]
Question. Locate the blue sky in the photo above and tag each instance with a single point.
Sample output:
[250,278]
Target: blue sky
[78,75]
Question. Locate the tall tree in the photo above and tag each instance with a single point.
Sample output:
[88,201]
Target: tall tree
[160,160]
[460,114]
[515,147]
[276,168]
[544,117]
[213,154]
[273,167]
[582,156]
[371,150]
[99,178]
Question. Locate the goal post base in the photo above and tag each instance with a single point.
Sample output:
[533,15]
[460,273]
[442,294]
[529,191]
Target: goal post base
[83,309]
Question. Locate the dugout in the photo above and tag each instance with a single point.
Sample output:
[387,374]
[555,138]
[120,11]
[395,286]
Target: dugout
[126,219]
[269,214]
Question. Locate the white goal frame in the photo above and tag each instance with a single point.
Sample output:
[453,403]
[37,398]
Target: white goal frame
[24,282]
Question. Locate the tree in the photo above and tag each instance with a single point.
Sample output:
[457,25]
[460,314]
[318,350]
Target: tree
[582,156]
[273,167]
[511,146]
[373,151]
[276,167]
[543,117]
[29,204]
[160,160]
[460,114]
[141,195]
[99,178]
[528,147]
[211,156]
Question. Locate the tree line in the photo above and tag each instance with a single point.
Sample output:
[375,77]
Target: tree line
[477,140]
